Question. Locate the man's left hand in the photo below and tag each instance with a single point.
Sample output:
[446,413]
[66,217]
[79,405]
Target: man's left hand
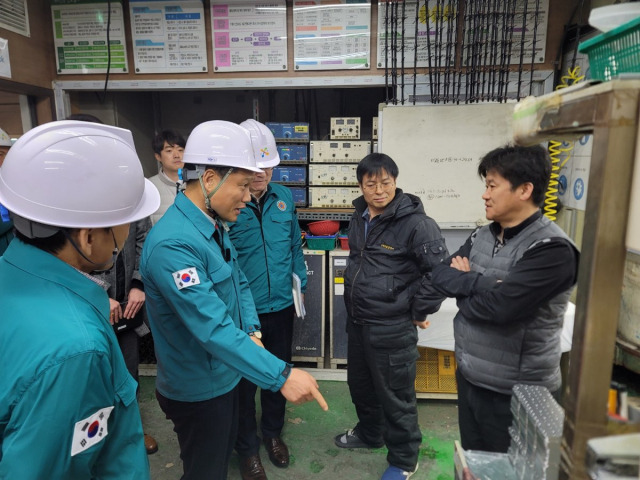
[134,303]
[422,324]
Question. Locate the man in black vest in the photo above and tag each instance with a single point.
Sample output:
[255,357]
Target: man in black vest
[512,280]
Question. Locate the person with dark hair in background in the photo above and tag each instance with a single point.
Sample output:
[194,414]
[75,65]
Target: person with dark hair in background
[68,405]
[512,280]
[123,284]
[393,247]
[6,225]
[168,148]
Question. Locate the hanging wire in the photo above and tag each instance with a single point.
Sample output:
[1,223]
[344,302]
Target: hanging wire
[402,39]
[386,51]
[533,47]
[524,29]
[415,52]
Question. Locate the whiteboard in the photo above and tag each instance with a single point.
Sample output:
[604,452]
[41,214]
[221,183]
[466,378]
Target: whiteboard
[438,148]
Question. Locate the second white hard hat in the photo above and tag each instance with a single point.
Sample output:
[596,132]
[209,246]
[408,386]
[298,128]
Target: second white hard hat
[76,175]
[220,143]
[265,150]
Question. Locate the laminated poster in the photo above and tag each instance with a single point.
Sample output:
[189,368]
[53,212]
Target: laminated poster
[168,36]
[80,36]
[249,35]
[331,34]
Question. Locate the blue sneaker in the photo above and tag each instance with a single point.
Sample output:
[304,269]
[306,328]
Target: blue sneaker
[395,473]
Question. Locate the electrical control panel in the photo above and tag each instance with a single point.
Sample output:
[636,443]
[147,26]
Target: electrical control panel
[292,153]
[329,174]
[289,132]
[287,174]
[299,196]
[333,197]
[374,128]
[329,151]
[345,128]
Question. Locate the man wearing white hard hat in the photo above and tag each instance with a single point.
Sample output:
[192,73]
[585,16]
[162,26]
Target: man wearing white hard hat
[6,225]
[267,238]
[200,307]
[68,405]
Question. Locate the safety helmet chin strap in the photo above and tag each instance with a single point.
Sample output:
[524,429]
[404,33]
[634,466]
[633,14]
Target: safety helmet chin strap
[100,267]
[207,197]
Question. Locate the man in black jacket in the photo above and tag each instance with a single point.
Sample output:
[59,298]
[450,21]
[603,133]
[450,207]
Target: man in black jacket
[393,247]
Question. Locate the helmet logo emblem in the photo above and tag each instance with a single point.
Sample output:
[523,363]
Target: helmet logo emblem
[264,151]
[281,205]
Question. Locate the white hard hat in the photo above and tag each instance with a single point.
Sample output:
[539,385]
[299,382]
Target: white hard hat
[220,143]
[264,144]
[5,139]
[76,175]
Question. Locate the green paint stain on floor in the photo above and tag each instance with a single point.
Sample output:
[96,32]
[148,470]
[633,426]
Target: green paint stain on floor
[316,466]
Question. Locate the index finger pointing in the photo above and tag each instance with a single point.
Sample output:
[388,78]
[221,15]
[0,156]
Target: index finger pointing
[320,399]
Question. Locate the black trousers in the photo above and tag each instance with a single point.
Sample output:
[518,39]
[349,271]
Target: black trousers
[381,375]
[277,336]
[484,417]
[206,433]
[129,342]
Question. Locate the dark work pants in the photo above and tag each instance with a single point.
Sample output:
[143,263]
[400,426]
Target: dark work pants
[206,433]
[277,336]
[129,345]
[484,417]
[381,373]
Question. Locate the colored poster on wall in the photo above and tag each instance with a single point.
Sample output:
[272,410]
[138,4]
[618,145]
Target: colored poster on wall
[82,30]
[397,35]
[249,35]
[168,36]
[331,34]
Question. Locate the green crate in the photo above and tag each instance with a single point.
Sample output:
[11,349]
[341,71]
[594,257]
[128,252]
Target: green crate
[324,242]
[614,52]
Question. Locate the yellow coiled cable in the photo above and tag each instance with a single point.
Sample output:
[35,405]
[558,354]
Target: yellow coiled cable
[556,150]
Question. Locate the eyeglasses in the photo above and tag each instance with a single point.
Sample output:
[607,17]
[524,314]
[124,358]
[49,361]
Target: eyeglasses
[372,187]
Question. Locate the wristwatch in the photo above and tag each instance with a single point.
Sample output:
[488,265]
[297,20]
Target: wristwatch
[256,333]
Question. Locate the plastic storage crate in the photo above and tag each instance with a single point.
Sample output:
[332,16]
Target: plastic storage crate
[614,52]
[321,242]
[435,371]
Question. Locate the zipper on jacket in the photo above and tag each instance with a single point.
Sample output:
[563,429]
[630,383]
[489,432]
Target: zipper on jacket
[258,213]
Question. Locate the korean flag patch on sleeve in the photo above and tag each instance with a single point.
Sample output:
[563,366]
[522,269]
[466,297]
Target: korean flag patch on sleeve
[186,278]
[90,431]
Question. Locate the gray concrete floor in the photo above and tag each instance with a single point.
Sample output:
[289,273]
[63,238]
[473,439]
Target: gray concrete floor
[309,433]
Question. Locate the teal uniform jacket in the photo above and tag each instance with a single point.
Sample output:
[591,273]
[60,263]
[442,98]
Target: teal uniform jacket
[200,309]
[68,406]
[269,251]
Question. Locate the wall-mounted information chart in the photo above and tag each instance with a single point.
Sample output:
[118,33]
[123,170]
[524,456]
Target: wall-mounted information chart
[331,34]
[80,36]
[432,16]
[168,36]
[249,35]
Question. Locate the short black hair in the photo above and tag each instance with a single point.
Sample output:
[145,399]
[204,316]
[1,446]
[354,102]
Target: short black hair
[520,165]
[373,165]
[84,117]
[52,244]
[170,136]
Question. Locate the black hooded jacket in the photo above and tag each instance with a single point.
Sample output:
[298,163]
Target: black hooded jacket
[388,276]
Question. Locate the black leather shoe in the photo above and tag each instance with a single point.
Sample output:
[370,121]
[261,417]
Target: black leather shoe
[278,452]
[251,468]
